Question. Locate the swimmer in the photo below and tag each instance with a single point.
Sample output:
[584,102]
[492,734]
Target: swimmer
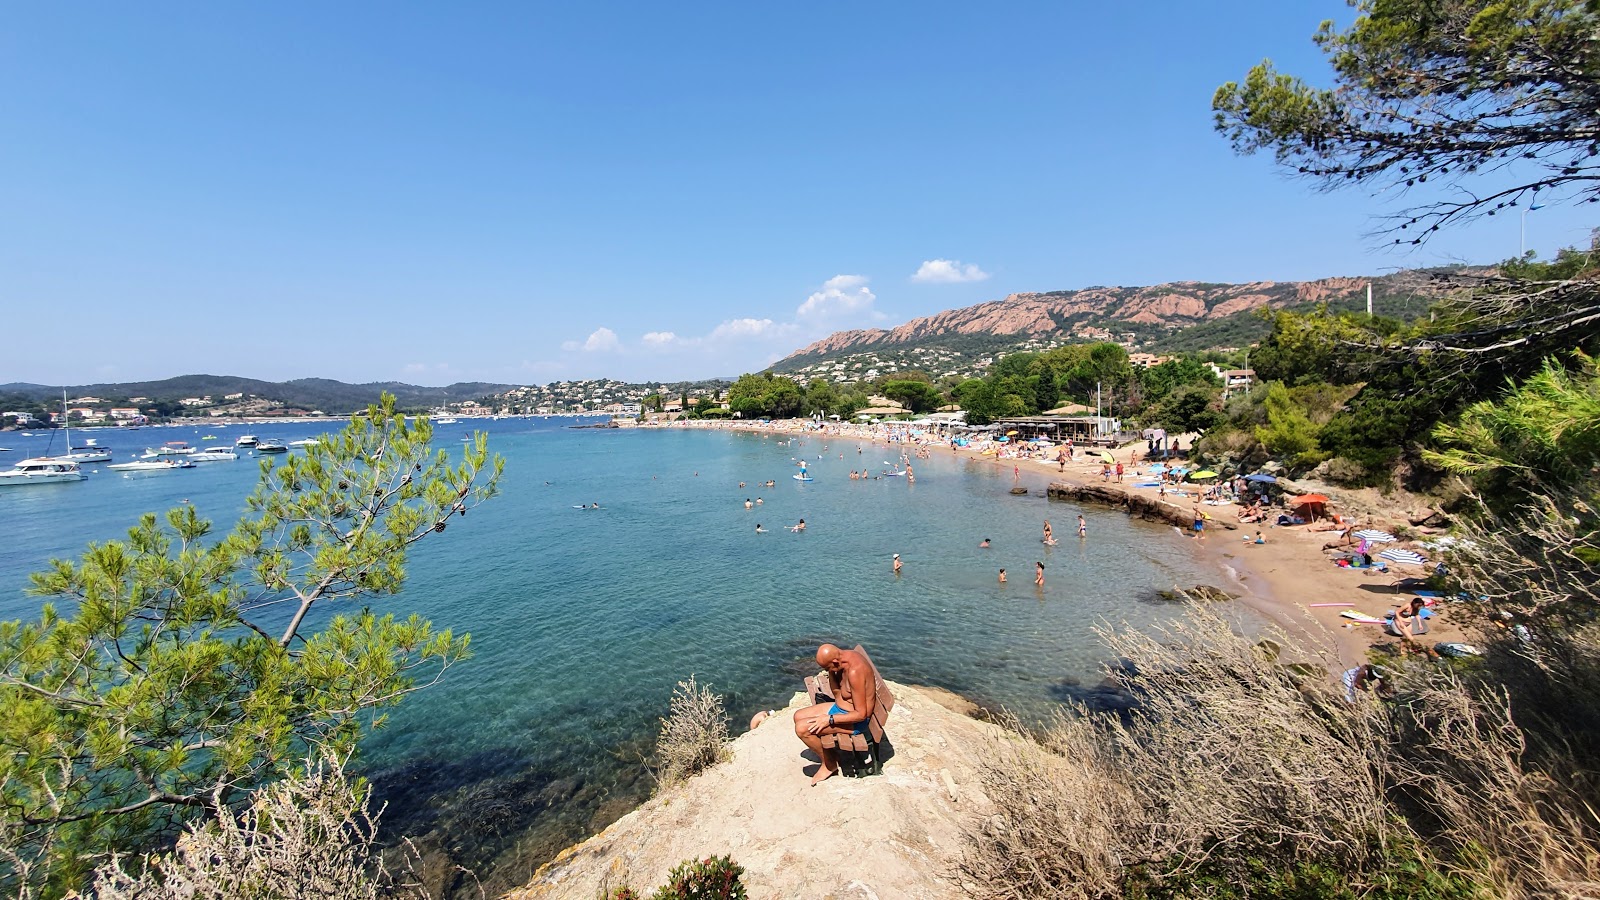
[1083,527]
[758,501]
[1002,576]
[897,564]
[799,527]
[741,485]
[759,529]
[1038,575]
[985,543]
[747,503]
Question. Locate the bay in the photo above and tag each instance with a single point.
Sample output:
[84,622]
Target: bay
[582,621]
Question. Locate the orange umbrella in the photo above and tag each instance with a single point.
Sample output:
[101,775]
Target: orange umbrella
[1308,498]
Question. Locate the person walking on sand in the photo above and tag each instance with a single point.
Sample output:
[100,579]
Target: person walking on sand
[897,564]
[1038,574]
[1119,473]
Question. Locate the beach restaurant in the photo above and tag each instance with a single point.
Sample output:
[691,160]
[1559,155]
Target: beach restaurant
[1081,429]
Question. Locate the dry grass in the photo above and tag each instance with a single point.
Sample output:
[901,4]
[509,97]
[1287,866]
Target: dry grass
[310,837]
[1237,764]
[694,735]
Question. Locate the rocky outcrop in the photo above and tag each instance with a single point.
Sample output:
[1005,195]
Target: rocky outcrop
[1151,508]
[895,836]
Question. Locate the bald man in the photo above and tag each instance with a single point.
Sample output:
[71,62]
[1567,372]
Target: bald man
[856,698]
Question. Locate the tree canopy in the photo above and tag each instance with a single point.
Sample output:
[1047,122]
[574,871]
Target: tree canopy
[1442,91]
[180,670]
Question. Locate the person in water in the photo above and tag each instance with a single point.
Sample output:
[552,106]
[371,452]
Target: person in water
[1038,574]
[1083,527]
[801,526]
[856,698]
[759,529]
[1002,576]
[897,564]
[985,543]
[1049,534]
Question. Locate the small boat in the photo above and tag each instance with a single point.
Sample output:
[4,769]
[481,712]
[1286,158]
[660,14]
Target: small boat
[42,470]
[246,440]
[446,421]
[209,437]
[171,448]
[212,456]
[152,465]
[305,442]
[268,445]
[91,451]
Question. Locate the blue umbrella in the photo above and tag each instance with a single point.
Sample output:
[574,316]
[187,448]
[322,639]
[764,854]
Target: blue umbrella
[1261,478]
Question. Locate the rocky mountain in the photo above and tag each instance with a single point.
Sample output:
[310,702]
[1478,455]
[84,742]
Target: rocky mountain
[1157,317]
[1134,314]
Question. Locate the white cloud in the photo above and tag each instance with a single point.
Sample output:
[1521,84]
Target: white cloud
[601,340]
[842,297]
[743,329]
[948,271]
[658,338]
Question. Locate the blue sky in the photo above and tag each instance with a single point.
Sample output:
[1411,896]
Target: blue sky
[528,192]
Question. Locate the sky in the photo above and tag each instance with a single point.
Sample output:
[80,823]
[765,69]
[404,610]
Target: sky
[529,192]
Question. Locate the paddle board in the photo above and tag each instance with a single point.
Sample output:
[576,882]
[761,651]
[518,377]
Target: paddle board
[803,478]
[1363,618]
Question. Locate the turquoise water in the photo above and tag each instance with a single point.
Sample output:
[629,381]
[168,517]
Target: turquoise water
[583,620]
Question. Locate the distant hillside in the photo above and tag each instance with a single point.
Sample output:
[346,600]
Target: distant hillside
[1184,315]
[332,397]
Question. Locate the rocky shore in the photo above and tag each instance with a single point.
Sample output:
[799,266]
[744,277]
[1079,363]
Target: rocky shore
[891,837]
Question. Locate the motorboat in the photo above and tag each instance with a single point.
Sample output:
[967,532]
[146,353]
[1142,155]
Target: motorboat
[305,442]
[152,465]
[246,440]
[171,448]
[212,456]
[42,470]
[448,420]
[268,445]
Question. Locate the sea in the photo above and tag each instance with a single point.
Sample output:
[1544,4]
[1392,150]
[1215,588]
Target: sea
[584,620]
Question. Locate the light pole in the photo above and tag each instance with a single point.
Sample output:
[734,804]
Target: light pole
[1531,208]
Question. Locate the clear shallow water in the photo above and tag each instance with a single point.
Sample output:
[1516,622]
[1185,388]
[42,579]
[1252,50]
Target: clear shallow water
[582,621]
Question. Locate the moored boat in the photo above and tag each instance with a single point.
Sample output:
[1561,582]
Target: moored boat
[246,440]
[41,470]
[152,465]
[268,445]
[171,448]
[212,456]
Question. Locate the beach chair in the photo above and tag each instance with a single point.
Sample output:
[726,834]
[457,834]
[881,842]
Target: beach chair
[859,755]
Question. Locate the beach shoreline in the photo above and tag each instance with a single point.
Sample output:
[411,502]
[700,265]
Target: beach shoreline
[1280,580]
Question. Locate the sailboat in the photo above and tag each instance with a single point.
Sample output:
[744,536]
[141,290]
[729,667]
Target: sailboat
[89,452]
[44,469]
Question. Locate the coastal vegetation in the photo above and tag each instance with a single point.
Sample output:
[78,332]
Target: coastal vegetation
[176,671]
[1235,773]
[693,736]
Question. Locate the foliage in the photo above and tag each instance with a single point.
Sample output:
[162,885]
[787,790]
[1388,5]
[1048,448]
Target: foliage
[185,670]
[712,878]
[694,735]
[1440,89]
[1289,433]
[1189,408]
[1236,773]
[917,396]
[311,836]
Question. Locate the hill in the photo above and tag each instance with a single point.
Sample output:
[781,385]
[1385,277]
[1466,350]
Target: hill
[1176,316]
[326,395]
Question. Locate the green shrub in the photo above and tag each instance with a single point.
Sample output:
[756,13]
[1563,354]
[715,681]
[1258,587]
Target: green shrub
[713,878]
[1264,878]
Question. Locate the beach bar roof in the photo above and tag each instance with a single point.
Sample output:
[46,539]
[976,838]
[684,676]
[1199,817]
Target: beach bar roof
[1059,427]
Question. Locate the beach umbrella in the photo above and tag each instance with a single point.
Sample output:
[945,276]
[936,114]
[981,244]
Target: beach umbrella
[1011,433]
[1003,439]
[1203,475]
[1406,557]
[1375,536]
[1107,456]
[1261,478]
[1303,499]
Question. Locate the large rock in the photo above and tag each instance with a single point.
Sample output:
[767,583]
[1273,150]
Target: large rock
[1145,507]
[893,837]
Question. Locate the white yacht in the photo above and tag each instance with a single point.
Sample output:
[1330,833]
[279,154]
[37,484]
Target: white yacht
[152,465]
[212,456]
[42,470]
[246,441]
[171,448]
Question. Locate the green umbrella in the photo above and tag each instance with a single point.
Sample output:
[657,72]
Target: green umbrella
[1206,474]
